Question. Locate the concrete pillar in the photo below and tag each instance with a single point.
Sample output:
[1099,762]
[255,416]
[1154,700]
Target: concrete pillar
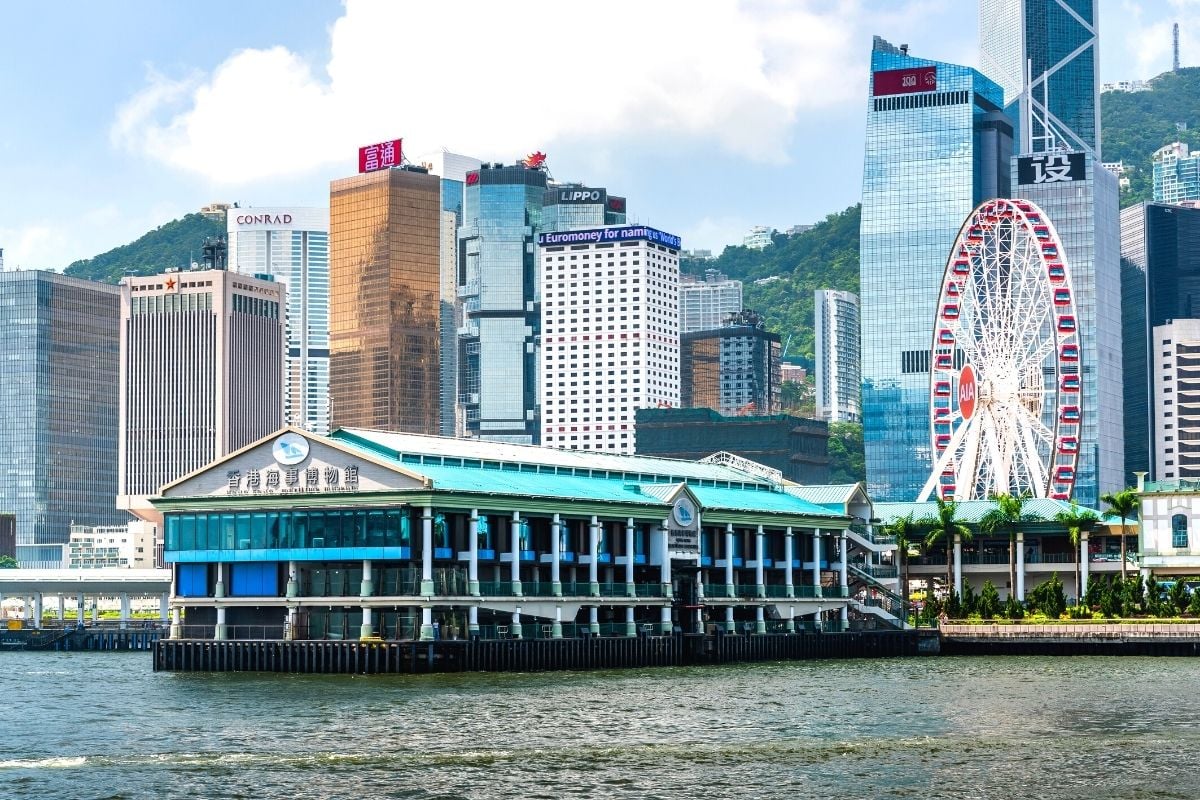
[845,616]
[760,623]
[555,559]
[368,624]
[515,630]
[62,611]
[760,589]
[594,620]
[124,615]
[791,620]
[630,625]
[1020,588]
[556,626]
[426,624]
[473,620]
[665,625]
[665,570]
[222,629]
[729,624]
[37,610]
[292,620]
[958,564]
[96,611]
[473,554]
[630,588]
[427,562]
[816,570]
[1084,565]
[367,587]
[729,581]
[219,587]
[80,609]
[176,623]
[164,608]
[293,581]
[594,551]
[788,557]
[844,567]
[515,549]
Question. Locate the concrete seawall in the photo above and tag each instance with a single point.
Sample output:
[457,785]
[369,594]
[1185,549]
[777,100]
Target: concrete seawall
[1140,638]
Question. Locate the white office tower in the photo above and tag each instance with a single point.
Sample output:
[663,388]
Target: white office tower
[610,333]
[836,334]
[705,303]
[201,375]
[1176,400]
[292,246]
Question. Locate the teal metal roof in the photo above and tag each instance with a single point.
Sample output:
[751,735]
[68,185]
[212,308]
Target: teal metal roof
[750,500]
[969,511]
[832,496]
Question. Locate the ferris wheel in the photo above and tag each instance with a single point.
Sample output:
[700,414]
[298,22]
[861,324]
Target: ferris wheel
[1005,370]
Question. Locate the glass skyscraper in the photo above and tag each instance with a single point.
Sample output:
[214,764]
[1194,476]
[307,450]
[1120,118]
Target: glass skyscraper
[498,286]
[571,205]
[59,401]
[292,246]
[938,144]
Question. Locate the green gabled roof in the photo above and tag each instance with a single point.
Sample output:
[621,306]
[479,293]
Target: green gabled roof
[831,496]
[970,512]
[751,500]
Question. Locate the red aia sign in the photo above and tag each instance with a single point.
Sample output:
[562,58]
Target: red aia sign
[472,178]
[966,392]
[904,81]
[379,156]
[616,204]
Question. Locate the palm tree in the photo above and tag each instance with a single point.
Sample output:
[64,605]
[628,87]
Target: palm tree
[945,525]
[906,532]
[1123,504]
[1008,515]
[1076,520]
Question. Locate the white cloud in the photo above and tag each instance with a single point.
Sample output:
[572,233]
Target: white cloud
[35,246]
[498,80]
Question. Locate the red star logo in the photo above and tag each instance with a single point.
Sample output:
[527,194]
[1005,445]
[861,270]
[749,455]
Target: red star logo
[170,283]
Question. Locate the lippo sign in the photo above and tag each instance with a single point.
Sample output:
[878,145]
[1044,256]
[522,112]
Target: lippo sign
[379,156]
[905,81]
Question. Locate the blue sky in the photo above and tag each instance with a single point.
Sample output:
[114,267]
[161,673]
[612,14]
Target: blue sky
[711,117]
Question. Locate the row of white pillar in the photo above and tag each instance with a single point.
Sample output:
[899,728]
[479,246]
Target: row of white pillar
[34,608]
[1020,554]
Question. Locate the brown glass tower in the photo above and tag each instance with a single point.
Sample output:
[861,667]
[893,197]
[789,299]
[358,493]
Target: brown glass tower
[383,293]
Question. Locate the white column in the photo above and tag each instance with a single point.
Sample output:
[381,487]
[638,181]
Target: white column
[124,614]
[816,570]
[555,558]
[515,630]
[594,620]
[473,620]
[473,554]
[958,564]
[665,569]
[426,624]
[367,586]
[630,625]
[760,588]
[293,581]
[176,623]
[514,532]
[1020,566]
[1081,589]
[80,609]
[222,629]
[729,557]
[427,563]
[844,565]
[665,624]
[37,610]
[787,568]
[219,588]
[760,623]
[62,608]
[594,551]
[368,626]
[630,589]
[556,626]
[791,620]
[164,608]
[96,611]
[729,625]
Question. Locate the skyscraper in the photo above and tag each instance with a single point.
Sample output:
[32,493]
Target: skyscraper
[1175,395]
[1043,54]
[497,280]
[385,296]
[572,205]
[937,145]
[610,333]
[837,352]
[1176,176]
[58,446]
[292,246]
[704,303]
[201,375]
[733,369]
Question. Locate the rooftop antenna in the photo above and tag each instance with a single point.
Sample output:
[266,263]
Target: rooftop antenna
[1175,44]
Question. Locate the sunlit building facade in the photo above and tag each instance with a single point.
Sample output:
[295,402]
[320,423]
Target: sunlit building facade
[1176,175]
[385,296]
[836,344]
[734,369]
[292,246]
[705,302]
[938,144]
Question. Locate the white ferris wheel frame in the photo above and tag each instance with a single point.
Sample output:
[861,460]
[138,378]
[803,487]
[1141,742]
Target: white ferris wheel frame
[1007,309]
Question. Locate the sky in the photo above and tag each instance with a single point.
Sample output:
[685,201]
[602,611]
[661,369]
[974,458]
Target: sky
[711,117]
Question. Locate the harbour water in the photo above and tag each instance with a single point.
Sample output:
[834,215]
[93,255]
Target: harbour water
[102,725]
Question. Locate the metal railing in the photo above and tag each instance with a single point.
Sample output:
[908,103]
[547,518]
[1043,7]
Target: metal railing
[874,571]
[868,533]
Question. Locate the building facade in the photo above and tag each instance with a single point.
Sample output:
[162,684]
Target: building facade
[1175,399]
[734,369]
[414,537]
[937,145]
[609,333]
[760,237]
[705,303]
[838,356]
[292,246]
[1169,515]
[567,206]
[385,230]
[111,546]
[1160,282]
[59,446]
[497,283]
[1176,175]
[201,374]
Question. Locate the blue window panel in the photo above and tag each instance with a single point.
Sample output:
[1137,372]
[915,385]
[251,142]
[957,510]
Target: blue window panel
[254,580]
[192,580]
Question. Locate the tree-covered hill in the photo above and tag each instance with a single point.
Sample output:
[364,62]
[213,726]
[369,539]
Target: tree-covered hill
[1135,124]
[175,244]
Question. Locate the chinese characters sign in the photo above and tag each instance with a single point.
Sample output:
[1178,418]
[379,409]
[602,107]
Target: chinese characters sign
[1051,168]
[293,480]
[903,81]
[379,156]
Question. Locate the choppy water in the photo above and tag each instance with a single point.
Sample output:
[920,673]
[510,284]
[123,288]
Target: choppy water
[102,725]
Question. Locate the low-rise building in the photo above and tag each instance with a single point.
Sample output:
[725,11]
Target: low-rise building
[1170,512]
[129,546]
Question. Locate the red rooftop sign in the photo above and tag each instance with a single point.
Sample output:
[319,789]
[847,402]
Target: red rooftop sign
[904,81]
[379,156]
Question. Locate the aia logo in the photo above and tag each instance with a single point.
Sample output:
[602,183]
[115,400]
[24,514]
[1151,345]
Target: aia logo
[616,204]
[472,178]
[966,392]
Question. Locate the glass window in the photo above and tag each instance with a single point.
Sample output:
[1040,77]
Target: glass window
[377,529]
[214,531]
[316,529]
[1179,530]
[172,533]
[188,532]
[243,532]
[228,532]
[258,531]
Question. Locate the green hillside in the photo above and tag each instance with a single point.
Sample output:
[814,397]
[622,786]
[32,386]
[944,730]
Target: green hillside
[1135,124]
[175,244]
